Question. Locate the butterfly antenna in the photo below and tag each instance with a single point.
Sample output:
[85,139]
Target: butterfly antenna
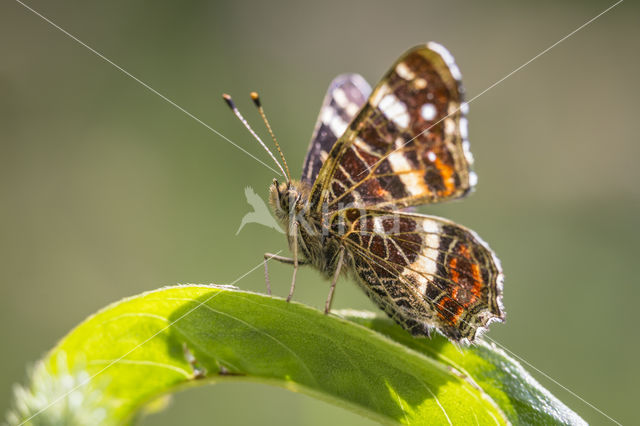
[256,101]
[232,105]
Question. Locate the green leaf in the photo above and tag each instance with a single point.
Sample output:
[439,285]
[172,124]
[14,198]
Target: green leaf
[133,352]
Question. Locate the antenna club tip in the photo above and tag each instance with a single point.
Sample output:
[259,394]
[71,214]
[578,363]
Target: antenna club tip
[256,99]
[228,100]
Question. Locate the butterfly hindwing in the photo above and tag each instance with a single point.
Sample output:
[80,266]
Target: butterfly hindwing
[424,271]
[407,146]
[345,96]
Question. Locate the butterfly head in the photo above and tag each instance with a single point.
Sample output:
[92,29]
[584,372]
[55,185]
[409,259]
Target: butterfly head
[282,196]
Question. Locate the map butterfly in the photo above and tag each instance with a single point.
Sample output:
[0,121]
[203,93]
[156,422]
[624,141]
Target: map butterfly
[374,155]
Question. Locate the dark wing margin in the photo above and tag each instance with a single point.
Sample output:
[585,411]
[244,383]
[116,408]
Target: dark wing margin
[345,96]
[425,272]
[408,145]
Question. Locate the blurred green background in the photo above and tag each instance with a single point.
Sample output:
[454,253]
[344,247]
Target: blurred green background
[108,190]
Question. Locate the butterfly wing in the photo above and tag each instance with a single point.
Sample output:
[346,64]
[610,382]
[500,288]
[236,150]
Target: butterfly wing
[407,146]
[423,271]
[345,96]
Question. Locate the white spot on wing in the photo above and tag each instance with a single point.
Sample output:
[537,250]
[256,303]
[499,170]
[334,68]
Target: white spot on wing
[403,71]
[455,71]
[338,126]
[430,226]
[464,107]
[464,131]
[473,179]
[449,126]
[413,181]
[421,83]
[395,110]
[363,146]
[431,156]
[333,120]
[379,94]
[428,112]
[427,261]
[448,59]
[327,114]
[442,51]
[352,109]
[340,97]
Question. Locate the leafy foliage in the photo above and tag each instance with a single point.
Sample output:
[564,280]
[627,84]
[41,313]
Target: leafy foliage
[137,350]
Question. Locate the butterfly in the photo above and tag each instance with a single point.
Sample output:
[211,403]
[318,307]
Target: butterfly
[373,156]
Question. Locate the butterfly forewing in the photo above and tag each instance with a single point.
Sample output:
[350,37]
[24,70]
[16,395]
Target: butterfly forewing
[407,146]
[345,96]
[424,271]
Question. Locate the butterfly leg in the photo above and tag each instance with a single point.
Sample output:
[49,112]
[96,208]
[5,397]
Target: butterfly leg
[282,259]
[327,305]
[268,257]
[294,234]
